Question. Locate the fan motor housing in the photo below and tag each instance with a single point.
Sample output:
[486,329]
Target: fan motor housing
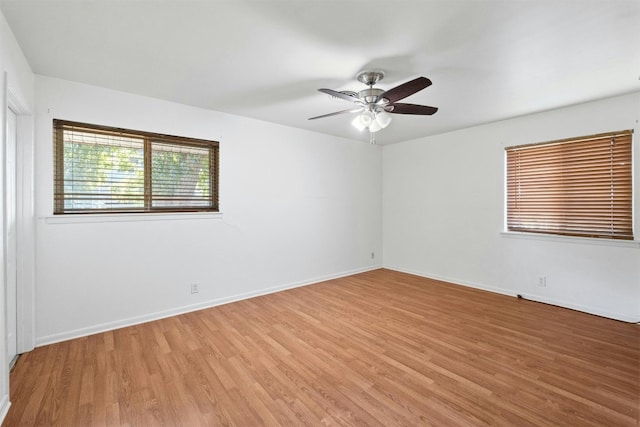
[370,95]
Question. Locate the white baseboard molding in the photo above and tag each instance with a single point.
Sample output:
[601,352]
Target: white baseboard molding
[136,320]
[512,293]
[454,281]
[5,404]
[585,309]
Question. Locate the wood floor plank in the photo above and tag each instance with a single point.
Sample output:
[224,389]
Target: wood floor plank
[378,348]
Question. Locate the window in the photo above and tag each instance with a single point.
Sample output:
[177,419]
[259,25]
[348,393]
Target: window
[575,187]
[99,169]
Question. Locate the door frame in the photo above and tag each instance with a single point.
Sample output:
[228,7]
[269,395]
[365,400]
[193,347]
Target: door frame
[10,234]
[25,220]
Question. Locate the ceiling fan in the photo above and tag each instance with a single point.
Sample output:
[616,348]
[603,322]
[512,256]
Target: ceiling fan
[375,105]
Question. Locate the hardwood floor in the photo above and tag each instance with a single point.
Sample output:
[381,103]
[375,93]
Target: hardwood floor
[378,348]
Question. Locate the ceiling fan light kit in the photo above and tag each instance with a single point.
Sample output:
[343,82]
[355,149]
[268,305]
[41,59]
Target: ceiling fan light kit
[357,124]
[383,118]
[366,119]
[375,105]
[374,127]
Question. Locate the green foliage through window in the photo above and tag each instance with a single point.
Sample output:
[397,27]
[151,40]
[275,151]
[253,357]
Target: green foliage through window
[101,169]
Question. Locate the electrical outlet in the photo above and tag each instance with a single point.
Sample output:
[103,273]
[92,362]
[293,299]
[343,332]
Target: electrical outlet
[542,281]
[195,288]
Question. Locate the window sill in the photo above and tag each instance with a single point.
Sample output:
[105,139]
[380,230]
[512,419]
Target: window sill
[569,239]
[130,217]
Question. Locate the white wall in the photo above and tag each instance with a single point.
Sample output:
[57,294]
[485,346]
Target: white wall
[297,207]
[16,80]
[443,214]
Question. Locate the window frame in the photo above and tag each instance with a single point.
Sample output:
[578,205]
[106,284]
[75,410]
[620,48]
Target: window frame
[621,196]
[149,138]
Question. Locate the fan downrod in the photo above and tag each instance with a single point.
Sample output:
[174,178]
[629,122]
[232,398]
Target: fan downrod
[370,77]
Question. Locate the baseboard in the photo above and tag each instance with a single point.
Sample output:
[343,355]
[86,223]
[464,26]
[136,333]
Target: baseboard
[536,298]
[5,404]
[454,281]
[585,309]
[136,320]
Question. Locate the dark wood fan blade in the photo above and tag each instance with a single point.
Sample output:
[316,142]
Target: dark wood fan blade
[406,89]
[341,95]
[353,110]
[402,108]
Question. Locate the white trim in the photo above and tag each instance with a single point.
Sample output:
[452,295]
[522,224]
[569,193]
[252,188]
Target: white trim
[129,217]
[10,231]
[585,309]
[455,281]
[25,227]
[109,326]
[5,404]
[16,103]
[511,293]
[4,363]
[571,239]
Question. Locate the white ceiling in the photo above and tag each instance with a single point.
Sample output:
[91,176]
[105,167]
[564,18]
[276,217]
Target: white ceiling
[488,60]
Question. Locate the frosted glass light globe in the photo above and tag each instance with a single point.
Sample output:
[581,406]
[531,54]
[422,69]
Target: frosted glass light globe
[356,124]
[366,118]
[383,119]
[374,126]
